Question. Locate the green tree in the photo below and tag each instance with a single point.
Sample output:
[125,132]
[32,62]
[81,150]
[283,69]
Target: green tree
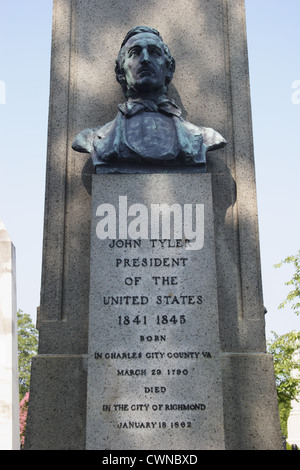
[294,294]
[27,348]
[282,348]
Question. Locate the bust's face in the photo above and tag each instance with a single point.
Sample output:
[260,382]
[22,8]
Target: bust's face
[145,63]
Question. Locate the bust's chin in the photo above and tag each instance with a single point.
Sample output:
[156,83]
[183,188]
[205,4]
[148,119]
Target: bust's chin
[146,87]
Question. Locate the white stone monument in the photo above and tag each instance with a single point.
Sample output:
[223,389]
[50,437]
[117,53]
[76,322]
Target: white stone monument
[294,418]
[9,396]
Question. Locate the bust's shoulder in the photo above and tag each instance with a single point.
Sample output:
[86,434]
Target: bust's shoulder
[83,142]
[104,130]
[211,138]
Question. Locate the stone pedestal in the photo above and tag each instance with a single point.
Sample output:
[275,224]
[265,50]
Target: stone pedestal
[9,385]
[211,85]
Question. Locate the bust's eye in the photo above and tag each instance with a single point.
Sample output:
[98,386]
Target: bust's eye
[133,52]
[154,51]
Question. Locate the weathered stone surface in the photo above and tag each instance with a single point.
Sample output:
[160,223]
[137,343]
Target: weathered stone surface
[58,398]
[250,402]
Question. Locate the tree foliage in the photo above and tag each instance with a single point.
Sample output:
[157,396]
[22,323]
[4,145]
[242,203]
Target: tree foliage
[27,348]
[294,294]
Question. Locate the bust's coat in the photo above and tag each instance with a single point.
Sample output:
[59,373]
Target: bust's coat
[188,144]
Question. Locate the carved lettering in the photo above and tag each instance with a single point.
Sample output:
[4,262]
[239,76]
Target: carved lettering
[151,262]
[131,372]
[152,299]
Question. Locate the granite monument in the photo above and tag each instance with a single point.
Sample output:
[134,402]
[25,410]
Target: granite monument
[152,331]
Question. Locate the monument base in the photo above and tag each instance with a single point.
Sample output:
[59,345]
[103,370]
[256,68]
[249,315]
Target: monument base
[250,407]
[57,405]
[251,415]
[155,376]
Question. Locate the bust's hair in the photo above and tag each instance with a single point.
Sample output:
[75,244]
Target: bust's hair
[120,75]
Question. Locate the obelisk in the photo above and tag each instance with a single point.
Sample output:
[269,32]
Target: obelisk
[117,313]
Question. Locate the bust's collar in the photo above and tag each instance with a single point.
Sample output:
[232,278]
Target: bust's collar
[162,104]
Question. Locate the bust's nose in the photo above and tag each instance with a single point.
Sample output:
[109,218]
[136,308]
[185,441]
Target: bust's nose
[145,56]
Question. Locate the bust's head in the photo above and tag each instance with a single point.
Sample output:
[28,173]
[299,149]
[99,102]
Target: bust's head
[144,65]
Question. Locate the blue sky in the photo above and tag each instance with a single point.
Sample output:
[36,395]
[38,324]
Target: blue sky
[273,43]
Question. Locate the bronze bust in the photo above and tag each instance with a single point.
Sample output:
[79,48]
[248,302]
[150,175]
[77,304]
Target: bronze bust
[149,128]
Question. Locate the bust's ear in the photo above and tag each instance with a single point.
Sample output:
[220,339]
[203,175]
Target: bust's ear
[120,77]
[170,71]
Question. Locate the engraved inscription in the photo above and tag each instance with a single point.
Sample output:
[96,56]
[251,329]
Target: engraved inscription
[147,312]
[154,362]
